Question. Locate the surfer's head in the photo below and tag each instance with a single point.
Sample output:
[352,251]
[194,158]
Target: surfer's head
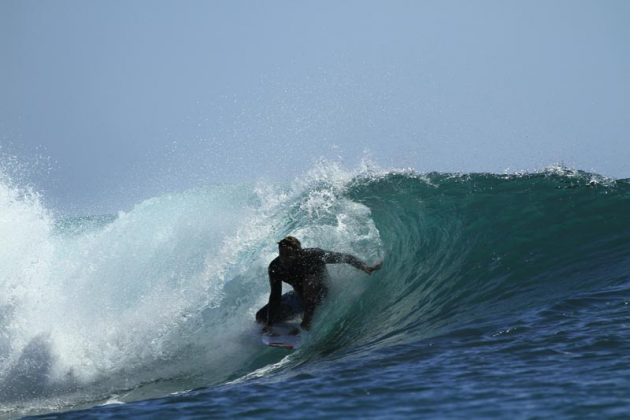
[290,242]
[289,248]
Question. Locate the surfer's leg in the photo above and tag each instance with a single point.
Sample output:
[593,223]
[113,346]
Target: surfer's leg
[314,292]
[290,306]
[261,315]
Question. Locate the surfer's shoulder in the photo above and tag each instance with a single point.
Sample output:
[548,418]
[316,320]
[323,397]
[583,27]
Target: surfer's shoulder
[317,253]
[274,264]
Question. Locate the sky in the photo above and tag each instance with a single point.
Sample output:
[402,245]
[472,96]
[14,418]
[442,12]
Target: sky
[108,102]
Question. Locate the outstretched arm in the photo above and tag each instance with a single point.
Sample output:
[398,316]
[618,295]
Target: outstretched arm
[330,257]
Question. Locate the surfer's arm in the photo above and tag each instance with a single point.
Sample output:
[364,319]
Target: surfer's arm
[275,296]
[330,257]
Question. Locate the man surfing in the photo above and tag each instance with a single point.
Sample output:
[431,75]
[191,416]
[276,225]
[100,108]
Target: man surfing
[305,270]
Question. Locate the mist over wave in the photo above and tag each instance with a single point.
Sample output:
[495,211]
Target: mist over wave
[161,298]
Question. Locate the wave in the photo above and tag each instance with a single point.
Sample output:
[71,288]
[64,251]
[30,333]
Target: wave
[161,298]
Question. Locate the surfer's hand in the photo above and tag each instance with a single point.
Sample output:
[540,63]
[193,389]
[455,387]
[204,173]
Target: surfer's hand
[266,328]
[375,267]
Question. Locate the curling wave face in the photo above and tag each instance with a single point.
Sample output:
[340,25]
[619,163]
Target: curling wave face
[161,298]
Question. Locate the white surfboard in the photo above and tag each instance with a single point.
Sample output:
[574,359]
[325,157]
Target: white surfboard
[283,335]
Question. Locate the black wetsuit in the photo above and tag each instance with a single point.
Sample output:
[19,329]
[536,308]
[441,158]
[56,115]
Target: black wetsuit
[309,277]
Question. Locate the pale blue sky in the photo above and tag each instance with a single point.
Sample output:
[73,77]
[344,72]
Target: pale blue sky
[130,98]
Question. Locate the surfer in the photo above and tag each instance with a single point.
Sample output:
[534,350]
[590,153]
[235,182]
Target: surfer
[305,270]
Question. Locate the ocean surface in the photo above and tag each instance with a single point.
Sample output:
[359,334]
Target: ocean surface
[501,295]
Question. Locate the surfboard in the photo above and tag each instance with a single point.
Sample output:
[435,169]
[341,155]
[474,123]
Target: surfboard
[281,336]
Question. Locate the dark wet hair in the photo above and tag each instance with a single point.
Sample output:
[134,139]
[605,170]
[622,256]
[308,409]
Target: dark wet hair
[290,242]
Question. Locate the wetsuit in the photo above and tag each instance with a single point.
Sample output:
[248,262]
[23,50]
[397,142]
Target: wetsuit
[308,276]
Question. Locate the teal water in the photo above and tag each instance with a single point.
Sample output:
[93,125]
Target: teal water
[500,295]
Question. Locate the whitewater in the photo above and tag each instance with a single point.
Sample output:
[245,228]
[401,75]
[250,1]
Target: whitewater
[500,294]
